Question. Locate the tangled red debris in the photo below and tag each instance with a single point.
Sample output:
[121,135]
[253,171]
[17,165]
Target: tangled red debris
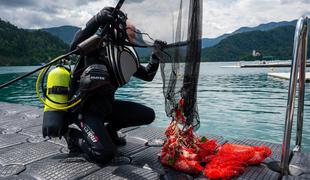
[186,152]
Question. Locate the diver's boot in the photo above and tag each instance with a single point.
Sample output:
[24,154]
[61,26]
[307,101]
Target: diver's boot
[118,140]
[72,137]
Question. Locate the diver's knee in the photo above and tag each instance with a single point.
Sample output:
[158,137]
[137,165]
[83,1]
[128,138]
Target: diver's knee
[150,116]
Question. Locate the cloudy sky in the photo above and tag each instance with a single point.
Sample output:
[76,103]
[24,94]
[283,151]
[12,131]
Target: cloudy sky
[220,16]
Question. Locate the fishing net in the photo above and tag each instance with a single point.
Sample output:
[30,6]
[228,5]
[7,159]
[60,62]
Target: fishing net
[179,23]
[186,152]
[232,159]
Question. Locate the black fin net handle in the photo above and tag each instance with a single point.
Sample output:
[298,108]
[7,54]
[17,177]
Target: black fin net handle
[119,5]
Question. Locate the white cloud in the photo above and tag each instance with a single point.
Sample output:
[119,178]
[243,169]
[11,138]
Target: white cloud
[48,13]
[220,16]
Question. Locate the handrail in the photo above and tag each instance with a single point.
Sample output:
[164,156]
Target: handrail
[302,79]
[299,59]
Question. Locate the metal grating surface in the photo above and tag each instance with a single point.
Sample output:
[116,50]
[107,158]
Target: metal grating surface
[149,159]
[300,164]
[120,160]
[302,177]
[61,167]
[7,140]
[32,131]
[27,152]
[219,139]
[20,177]
[14,121]
[36,139]
[12,130]
[148,133]
[276,148]
[151,133]
[125,130]
[123,172]
[133,146]
[24,116]
[34,114]
[10,108]
[16,109]
[43,161]
[173,174]
[258,173]
[61,142]
[3,113]
[11,170]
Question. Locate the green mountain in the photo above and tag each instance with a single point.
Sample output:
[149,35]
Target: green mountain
[27,47]
[235,50]
[277,42]
[208,42]
[32,47]
[65,33]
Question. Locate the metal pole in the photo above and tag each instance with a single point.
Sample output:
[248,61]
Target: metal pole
[302,74]
[285,157]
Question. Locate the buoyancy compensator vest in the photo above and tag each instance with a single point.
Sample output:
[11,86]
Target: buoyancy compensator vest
[123,62]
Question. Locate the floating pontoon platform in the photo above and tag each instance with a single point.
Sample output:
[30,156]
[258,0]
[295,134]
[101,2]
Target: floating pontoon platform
[24,154]
[287,76]
[270,65]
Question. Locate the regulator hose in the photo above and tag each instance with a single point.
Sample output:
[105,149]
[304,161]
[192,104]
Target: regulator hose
[45,92]
[72,104]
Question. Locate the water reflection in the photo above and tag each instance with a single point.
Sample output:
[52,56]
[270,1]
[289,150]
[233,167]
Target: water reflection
[232,102]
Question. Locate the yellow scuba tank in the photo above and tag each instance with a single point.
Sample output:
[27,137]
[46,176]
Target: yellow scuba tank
[57,86]
[57,95]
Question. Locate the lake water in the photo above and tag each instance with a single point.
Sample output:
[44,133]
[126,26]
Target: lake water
[233,102]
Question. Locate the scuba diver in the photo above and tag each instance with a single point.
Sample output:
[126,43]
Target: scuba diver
[96,76]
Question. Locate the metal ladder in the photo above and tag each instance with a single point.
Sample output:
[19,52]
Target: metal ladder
[298,65]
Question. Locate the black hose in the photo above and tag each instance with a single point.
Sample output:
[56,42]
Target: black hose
[36,70]
[118,6]
[45,91]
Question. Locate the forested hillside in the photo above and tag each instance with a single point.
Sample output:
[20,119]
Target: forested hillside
[65,33]
[277,42]
[27,47]
[32,47]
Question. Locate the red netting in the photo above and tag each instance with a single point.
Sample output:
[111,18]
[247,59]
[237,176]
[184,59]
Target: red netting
[232,159]
[186,152]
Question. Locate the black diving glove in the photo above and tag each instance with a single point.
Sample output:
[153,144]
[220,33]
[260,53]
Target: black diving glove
[158,54]
[102,18]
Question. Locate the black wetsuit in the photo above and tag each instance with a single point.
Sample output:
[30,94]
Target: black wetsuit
[101,115]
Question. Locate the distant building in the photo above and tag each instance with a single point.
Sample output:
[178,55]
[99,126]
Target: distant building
[255,53]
